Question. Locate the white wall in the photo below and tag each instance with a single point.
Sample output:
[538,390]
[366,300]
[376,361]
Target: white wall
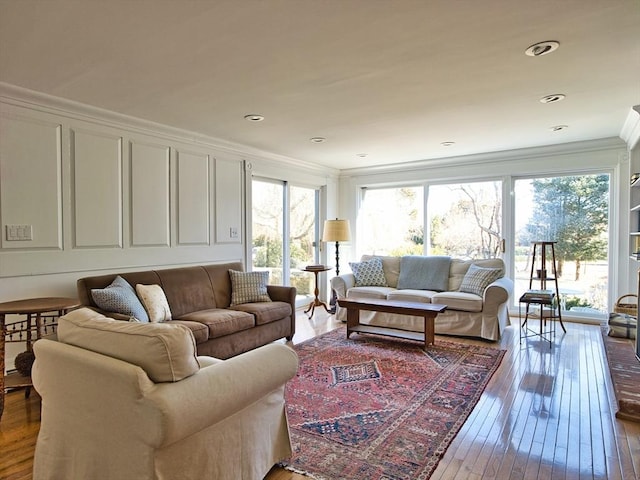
[103,192]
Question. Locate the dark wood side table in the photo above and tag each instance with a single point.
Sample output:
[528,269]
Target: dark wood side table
[316,291]
[27,330]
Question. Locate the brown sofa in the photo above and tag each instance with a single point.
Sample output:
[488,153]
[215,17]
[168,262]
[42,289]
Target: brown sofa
[200,297]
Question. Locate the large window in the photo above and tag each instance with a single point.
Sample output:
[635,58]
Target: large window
[574,212]
[465,220]
[283,211]
[390,221]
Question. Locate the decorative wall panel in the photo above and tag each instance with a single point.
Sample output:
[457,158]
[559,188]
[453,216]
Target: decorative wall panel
[150,195]
[229,194]
[97,189]
[193,198]
[30,183]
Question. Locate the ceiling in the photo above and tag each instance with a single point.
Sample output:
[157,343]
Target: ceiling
[389,79]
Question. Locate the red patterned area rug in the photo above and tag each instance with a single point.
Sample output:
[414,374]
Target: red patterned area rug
[375,408]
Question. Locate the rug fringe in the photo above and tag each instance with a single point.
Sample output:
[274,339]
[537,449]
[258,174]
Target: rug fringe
[302,472]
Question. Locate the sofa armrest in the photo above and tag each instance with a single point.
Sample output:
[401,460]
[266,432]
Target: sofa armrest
[279,293]
[496,294]
[342,283]
[222,389]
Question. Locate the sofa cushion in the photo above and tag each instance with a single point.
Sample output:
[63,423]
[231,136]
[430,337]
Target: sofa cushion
[247,287]
[380,293]
[478,278]
[120,297]
[188,289]
[424,272]
[155,302]
[200,330]
[408,295]
[466,302]
[166,352]
[265,312]
[369,273]
[221,321]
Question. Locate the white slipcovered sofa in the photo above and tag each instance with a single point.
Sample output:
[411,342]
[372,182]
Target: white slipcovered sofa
[483,313]
[124,400]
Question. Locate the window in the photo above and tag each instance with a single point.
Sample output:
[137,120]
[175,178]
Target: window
[390,221]
[283,211]
[574,212]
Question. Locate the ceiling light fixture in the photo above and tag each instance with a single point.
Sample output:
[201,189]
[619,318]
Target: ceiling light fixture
[361,155]
[557,128]
[542,48]
[254,117]
[556,97]
[448,144]
[317,139]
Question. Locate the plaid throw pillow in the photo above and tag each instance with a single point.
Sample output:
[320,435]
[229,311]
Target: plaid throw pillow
[478,278]
[248,287]
[369,273]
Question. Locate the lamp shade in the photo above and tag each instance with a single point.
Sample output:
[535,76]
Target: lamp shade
[336,231]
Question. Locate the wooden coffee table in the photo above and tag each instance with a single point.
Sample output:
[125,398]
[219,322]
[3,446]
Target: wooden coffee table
[428,311]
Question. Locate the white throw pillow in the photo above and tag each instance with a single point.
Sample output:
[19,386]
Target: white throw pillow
[155,302]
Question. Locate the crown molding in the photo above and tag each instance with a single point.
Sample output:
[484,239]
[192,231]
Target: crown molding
[491,157]
[630,132]
[26,98]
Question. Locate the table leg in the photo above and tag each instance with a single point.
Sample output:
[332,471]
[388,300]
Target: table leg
[429,330]
[353,319]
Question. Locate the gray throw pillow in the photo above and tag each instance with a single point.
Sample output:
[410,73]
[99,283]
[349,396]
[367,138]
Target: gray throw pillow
[424,273]
[120,297]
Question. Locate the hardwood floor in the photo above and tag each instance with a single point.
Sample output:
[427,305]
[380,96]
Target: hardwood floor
[546,413]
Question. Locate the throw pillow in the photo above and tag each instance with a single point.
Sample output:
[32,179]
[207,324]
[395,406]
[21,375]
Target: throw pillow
[369,273]
[430,272]
[478,278]
[120,297]
[155,302]
[622,325]
[248,287]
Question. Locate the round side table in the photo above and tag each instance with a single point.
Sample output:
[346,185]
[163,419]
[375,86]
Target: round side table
[316,291]
[32,327]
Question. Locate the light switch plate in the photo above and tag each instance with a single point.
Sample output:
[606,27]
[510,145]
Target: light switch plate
[19,232]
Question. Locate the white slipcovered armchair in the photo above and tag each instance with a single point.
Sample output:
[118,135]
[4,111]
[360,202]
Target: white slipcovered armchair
[125,400]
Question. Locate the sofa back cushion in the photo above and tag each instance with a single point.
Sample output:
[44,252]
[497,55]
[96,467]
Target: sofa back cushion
[390,267]
[221,281]
[188,289]
[459,269]
[167,353]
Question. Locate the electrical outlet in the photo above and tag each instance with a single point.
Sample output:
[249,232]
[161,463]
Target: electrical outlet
[19,232]
[233,232]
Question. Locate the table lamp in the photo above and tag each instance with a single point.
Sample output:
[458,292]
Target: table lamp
[336,231]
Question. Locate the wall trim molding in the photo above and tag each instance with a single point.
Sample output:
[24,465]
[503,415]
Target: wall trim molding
[630,132]
[490,157]
[26,98]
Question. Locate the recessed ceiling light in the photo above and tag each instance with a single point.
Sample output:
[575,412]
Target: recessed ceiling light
[361,155]
[317,139]
[542,48]
[556,97]
[448,144]
[557,128]
[254,117]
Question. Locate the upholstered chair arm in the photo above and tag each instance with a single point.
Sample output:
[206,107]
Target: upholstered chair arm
[496,294]
[343,283]
[221,389]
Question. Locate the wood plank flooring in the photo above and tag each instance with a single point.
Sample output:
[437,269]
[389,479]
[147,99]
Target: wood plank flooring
[548,413]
